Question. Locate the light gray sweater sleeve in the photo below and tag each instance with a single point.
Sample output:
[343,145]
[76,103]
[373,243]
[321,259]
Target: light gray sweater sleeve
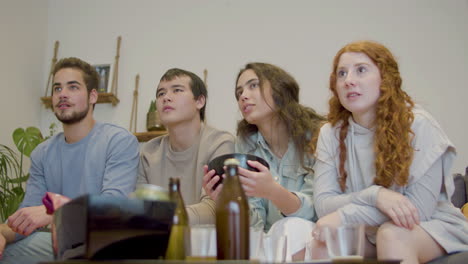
[423,194]
[328,196]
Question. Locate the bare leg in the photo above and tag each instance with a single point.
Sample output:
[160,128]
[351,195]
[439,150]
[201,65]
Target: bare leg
[299,256]
[318,249]
[413,246]
[370,250]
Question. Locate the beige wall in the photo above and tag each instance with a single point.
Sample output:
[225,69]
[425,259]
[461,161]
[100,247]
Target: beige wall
[429,38]
[23,28]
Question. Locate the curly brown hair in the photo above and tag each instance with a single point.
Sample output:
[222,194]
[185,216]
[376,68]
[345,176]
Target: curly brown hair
[302,122]
[394,116]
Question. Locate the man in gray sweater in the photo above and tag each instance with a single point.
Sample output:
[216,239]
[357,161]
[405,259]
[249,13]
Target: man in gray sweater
[89,157]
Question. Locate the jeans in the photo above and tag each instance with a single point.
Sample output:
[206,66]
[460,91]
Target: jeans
[33,249]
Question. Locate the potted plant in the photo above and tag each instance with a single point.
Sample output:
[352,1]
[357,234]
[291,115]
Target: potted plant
[152,118]
[12,176]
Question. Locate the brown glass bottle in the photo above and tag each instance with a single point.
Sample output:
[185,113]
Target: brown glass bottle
[232,217]
[179,239]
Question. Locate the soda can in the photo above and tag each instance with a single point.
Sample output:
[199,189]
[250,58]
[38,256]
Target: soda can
[150,192]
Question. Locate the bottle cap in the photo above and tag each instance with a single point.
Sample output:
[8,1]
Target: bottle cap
[174,180]
[231,162]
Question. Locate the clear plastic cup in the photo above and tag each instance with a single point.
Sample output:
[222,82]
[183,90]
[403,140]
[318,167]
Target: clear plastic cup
[345,242]
[256,243]
[203,243]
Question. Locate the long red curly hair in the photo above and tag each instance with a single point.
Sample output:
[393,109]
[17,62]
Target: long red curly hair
[394,116]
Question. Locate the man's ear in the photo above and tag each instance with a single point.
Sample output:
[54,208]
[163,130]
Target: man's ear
[93,96]
[201,101]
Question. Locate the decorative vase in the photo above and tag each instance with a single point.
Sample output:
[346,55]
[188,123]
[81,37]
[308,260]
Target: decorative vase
[153,122]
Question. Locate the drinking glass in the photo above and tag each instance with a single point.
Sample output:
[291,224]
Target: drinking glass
[203,243]
[345,242]
[256,243]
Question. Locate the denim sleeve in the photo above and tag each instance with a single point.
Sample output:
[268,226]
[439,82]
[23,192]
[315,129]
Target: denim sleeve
[305,195]
[257,212]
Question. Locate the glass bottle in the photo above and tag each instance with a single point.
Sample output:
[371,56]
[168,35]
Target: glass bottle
[179,239]
[232,217]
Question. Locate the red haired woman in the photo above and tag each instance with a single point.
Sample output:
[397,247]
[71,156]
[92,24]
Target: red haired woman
[384,162]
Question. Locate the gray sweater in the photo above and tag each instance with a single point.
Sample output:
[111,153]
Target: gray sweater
[429,188]
[104,162]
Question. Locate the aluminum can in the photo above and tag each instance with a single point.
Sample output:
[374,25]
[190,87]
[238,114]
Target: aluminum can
[150,192]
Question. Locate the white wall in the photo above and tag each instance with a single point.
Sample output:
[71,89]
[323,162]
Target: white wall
[429,38]
[23,29]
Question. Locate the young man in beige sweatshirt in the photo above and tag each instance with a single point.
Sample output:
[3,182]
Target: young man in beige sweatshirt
[189,145]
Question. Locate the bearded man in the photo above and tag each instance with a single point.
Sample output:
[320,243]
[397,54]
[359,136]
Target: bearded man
[88,157]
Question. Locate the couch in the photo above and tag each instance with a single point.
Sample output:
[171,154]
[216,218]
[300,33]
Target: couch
[460,200]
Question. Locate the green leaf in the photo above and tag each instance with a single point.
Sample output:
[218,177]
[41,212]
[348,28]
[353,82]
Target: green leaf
[9,164]
[152,107]
[19,179]
[52,130]
[18,191]
[12,177]
[27,140]
[12,203]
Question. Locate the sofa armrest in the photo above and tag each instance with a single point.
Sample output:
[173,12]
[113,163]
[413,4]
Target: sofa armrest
[459,197]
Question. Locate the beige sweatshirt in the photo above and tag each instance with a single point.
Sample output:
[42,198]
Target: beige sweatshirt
[158,163]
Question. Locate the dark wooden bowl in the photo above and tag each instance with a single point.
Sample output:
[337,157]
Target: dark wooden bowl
[218,163]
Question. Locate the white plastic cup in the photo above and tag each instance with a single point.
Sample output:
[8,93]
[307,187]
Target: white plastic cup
[203,243]
[274,248]
[256,243]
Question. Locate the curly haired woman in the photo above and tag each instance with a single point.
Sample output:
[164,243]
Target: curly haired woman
[384,162]
[277,128]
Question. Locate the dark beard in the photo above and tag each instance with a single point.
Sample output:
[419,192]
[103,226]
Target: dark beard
[74,118]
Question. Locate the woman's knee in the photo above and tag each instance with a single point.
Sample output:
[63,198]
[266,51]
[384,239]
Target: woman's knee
[317,249]
[389,233]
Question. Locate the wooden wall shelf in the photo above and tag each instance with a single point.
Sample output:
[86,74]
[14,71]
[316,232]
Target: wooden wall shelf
[103,98]
[147,136]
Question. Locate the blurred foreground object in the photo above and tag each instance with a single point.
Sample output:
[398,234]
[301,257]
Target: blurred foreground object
[100,227]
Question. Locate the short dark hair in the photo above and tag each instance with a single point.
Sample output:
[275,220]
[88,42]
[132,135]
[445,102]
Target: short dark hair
[196,85]
[90,75]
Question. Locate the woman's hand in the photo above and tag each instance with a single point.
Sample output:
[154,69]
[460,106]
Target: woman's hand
[332,220]
[398,207]
[209,180]
[258,184]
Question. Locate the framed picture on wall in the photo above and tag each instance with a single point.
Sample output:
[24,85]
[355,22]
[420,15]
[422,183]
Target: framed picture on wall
[105,77]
